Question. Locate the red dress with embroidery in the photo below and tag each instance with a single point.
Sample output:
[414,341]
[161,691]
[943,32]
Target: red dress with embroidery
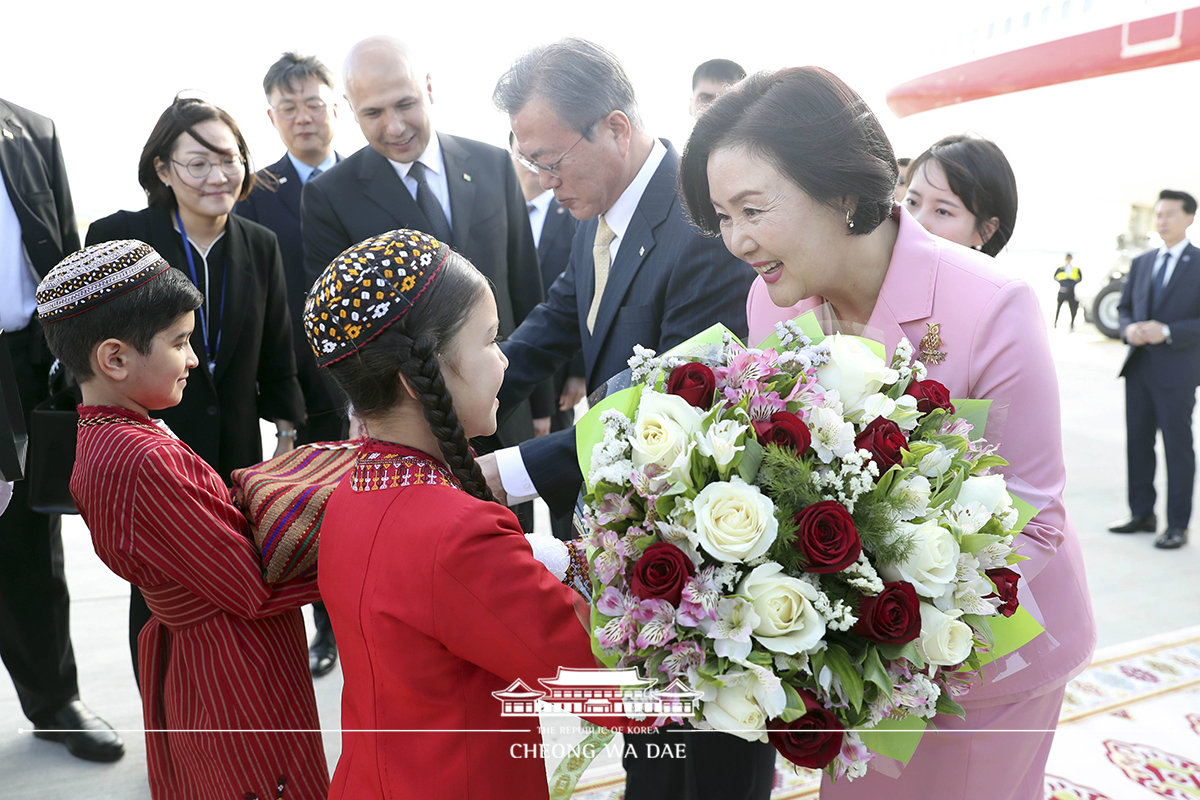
[437,601]
[224,651]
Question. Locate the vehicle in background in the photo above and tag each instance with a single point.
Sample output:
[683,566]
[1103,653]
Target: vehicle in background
[1099,299]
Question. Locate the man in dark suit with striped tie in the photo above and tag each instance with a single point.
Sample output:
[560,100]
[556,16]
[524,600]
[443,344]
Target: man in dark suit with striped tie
[1160,320]
[302,108]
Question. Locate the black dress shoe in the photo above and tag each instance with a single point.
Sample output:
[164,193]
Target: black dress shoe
[1171,539]
[322,653]
[85,735]
[1136,525]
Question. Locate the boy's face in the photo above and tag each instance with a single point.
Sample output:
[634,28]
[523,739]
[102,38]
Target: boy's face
[156,380]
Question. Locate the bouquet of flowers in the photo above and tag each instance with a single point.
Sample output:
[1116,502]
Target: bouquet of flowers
[807,533]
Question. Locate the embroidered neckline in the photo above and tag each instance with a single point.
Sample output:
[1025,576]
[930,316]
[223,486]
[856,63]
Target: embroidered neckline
[91,416]
[384,465]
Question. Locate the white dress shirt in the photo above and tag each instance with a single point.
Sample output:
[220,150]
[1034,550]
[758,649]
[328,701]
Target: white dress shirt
[305,171]
[1175,252]
[538,208]
[435,175]
[18,280]
[514,477]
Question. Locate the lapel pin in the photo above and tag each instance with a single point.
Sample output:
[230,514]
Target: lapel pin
[559,210]
[8,134]
[641,251]
[283,179]
[466,177]
[931,344]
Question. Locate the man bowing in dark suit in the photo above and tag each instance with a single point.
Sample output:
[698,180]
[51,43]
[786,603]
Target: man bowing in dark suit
[1160,320]
[302,108]
[409,176]
[37,229]
[639,273]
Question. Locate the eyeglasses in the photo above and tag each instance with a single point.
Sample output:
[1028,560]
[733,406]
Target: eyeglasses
[289,111]
[539,168]
[200,167]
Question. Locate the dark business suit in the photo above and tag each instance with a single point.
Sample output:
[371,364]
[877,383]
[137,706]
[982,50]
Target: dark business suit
[35,636]
[1160,383]
[666,284]
[275,203]
[363,197]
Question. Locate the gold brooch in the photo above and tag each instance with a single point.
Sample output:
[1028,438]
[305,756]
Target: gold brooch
[931,344]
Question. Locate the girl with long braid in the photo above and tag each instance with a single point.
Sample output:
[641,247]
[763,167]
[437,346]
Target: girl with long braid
[435,596]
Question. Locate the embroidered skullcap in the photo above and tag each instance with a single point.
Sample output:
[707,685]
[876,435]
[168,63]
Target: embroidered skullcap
[367,288]
[95,275]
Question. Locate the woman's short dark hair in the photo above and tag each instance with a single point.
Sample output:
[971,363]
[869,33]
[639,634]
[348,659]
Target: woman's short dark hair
[980,176]
[814,128]
[182,116]
[411,346]
[135,318]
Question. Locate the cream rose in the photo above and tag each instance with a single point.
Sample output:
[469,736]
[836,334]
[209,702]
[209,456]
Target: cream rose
[788,622]
[933,561]
[734,520]
[987,490]
[663,431]
[732,708]
[855,371]
[945,640]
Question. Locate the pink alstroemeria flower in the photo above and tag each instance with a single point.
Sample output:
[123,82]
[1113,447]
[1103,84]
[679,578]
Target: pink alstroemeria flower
[684,656]
[613,550]
[699,599]
[621,628]
[614,507]
[657,617]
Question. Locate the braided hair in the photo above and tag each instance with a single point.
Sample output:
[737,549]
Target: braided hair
[411,347]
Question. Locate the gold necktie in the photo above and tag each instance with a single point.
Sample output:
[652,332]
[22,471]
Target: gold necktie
[600,257]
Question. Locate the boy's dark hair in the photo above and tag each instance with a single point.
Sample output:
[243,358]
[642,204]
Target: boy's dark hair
[135,318]
[182,116]
[718,69]
[291,69]
[1189,202]
[410,346]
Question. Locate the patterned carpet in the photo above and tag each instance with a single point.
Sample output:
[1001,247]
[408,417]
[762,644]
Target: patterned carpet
[1129,730]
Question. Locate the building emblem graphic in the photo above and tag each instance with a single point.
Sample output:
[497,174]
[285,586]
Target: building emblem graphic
[598,692]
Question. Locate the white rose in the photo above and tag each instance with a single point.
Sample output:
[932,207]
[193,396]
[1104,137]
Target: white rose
[913,492]
[662,431]
[854,370]
[877,405]
[936,462]
[734,521]
[945,640]
[932,562]
[788,623]
[987,490]
[732,707]
[720,442]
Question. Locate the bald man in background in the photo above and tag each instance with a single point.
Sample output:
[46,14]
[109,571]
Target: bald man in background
[409,175]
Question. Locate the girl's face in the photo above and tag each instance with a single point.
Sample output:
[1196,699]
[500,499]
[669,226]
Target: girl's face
[214,194]
[940,211]
[768,221]
[474,369]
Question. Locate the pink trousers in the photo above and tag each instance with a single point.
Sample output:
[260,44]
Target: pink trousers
[970,759]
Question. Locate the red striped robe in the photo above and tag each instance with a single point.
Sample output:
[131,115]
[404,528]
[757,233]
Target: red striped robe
[224,651]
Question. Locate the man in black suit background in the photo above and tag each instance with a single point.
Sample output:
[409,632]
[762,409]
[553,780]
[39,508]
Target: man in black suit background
[1160,320]
[37,229]
[410,176]
[638,273]
[303,108]
[553,229]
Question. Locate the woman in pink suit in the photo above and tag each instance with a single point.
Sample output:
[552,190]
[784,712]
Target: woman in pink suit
[795,173]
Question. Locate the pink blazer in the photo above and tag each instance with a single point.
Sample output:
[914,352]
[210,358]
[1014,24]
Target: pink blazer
[994,338]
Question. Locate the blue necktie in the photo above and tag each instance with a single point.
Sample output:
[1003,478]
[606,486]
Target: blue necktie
[1160,279]
[439,226]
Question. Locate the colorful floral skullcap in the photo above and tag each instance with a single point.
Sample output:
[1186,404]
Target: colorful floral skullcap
[367,288]
[95,275]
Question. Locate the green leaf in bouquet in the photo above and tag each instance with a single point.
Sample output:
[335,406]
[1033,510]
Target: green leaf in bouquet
[907,651]
[750,460]
[589,431]
[838,660]
[1015,558]
[1012,633]
[929,425]
[761,658]
[949,492]
[946,705]
[1025,512]
[895,738]
[990,461]
[958,444]
[982,625]
[974,542]
[874,672]
[974,412]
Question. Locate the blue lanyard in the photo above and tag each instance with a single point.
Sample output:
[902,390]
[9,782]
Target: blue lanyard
[187,251]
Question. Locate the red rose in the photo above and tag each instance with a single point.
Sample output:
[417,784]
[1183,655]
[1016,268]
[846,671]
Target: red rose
[884,440]
[891,617]
[784,429]
[1006,589]
[826,537]
[662,572]
[930,395]
[812,740]
[694,382]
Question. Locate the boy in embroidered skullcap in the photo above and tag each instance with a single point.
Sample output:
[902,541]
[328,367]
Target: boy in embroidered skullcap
[435,594]
[121,319]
